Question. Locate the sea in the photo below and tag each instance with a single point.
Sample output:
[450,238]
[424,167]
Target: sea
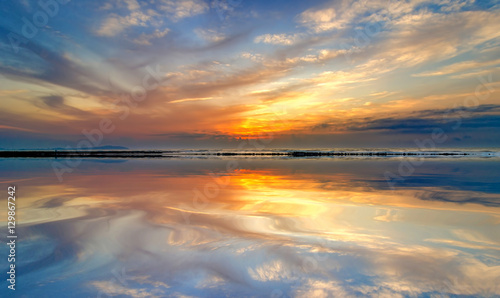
[386,222]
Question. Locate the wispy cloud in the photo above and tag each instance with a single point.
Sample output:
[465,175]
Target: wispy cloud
[277,39]
[211,35]
[146,39]
[116,24]
[7,127]
[458,67]
[322,19]
[178,10]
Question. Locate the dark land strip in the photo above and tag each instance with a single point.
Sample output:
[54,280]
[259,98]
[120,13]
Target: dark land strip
[171,154]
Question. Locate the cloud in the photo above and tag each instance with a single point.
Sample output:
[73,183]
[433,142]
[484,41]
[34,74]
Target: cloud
[7,127]
[145,39]
[210,35]
[459,111]
[450,6]
[111,288]
[116,24]
[200,81]
[409,38]
[321,19]
[476,74]
[142,16]
[191,99]
[340,15]
[477,197]
[414,38]
[272,271]
[421,122]
[438,36]
[56,103]
[178,10]
[181,136]
[112,26]
[53,101]
[321,288]
[403,34]
[458,67]
[345,14]
[277,39]
[422,126]
[43,65]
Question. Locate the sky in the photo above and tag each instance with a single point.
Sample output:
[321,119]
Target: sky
[214,74]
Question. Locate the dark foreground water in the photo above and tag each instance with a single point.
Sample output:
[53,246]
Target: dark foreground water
[254,227]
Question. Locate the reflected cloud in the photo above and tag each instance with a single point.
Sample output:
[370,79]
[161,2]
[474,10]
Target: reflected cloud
[298,228]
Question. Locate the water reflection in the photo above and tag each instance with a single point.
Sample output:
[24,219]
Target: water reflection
[305,228]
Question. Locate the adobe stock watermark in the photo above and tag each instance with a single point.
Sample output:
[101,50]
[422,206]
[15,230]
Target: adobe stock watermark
[30,28]
[126,101]
[406,168]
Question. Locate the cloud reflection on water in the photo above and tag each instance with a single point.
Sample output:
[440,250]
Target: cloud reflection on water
[279,228]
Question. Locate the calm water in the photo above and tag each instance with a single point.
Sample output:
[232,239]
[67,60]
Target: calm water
[255,227]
